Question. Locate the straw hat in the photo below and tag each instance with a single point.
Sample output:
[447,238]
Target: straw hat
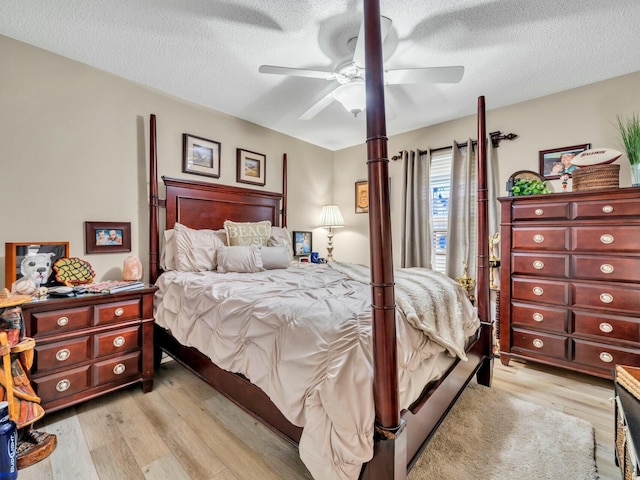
[8,299]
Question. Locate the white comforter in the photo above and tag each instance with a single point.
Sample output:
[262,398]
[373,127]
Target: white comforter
[303,335]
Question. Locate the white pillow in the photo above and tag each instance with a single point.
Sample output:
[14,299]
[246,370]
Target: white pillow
[241,259]
[168,253]
[275,257]
[195,249]
[280,237]
[247,233]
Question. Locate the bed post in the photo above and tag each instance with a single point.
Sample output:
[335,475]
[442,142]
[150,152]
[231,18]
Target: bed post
[283,213]
[390,458]
[154,246]
[483,291]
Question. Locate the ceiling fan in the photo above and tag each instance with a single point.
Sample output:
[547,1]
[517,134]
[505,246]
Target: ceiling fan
[350,76]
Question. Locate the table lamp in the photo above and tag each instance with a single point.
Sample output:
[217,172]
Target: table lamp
[330,217]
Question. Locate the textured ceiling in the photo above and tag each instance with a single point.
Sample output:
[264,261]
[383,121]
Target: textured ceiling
[208,52]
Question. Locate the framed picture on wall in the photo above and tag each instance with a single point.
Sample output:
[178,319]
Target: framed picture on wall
[107,237]
[362,196]
[200,156]
[251,167]
[557,161]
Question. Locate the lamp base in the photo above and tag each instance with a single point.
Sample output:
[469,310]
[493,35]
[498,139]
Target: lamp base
[330,246]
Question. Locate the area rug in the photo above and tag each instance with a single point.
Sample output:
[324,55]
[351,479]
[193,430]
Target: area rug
[492,435]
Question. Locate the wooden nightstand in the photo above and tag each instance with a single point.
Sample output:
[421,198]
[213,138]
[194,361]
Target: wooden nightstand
[90,345]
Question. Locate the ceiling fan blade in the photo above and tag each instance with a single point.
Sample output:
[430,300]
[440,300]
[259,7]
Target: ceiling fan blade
[424,75]
[358,55]
[296,72]
[316,108]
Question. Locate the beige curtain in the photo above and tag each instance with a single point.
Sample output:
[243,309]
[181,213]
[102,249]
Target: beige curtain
[416,214]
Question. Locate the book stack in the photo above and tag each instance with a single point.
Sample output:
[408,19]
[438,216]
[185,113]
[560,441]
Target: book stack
[112,286]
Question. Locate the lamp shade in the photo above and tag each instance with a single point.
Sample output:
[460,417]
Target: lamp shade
[330,216]
[351,96]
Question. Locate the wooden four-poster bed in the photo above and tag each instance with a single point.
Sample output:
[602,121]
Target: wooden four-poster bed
[400,433]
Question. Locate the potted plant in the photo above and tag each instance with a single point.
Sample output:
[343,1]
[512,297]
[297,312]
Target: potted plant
[529,186]
[630,133]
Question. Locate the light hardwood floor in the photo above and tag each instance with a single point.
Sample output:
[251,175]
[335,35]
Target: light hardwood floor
[183,429]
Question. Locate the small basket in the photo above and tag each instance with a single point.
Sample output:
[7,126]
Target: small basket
[629,379]
[595,177]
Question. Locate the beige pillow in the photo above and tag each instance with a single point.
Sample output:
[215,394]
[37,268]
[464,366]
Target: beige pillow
[168,253]
[195,249]
[241,259]
[247,233]
[275,257]
[280,237]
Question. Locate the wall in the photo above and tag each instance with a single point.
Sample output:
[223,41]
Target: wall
[578,116]
[74,148]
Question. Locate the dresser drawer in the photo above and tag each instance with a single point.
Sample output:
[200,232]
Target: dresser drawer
[118,311]
[62,384]
[64,354]
[540,238]
[541,211]
[545,344]
[606,295]
[123,340]
[543,291]
[60,321]
[546,318]
[608,268]
[604,356]
[603,209]
[606,238]
[117,369]
[607,326]
[540,264]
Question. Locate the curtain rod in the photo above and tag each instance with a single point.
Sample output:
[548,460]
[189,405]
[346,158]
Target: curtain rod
[496,138]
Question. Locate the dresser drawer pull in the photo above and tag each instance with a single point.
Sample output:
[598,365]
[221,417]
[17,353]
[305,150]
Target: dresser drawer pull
[538,291]
[538,265]
[538,343]
[606,357]
[607,209]
[606,268]
[63,385]
[119,369]
[606,298]
[62,321]
[538,317]
[119,311]
[607,238]
[539,211]
[606,327]
[118,341]
[538,238]
[63,354]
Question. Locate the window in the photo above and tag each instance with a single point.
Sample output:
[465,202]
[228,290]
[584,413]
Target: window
[440,182]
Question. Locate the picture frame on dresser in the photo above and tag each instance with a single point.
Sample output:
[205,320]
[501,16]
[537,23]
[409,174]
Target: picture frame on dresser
[552,161]
[15,252]
[302,243]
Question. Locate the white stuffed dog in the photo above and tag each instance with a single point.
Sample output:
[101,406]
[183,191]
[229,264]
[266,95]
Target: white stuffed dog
[35,270]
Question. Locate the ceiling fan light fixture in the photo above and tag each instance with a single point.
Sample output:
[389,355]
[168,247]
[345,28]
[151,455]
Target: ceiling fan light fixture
[352,97]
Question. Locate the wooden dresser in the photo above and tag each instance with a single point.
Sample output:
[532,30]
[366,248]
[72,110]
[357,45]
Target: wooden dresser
[90,345]
[569,279]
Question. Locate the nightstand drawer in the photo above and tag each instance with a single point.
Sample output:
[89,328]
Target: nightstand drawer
[116,370]
[50,356]
[540,317]
[541,343]
[123,340]
[118,311]
[63,384]
[604,356]
[60,321]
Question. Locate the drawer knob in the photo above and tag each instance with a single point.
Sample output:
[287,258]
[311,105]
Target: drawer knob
[606,327]
[539,211]
[606,298]
[607,209]
[63,385]
[538,265]
[119,369]
[119,311]
[607,238]
[606,268]
[538,238]
[63,354]
[606,357]
[118,341]
[62,321]
[538,343]
[538,317]
[538,291]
